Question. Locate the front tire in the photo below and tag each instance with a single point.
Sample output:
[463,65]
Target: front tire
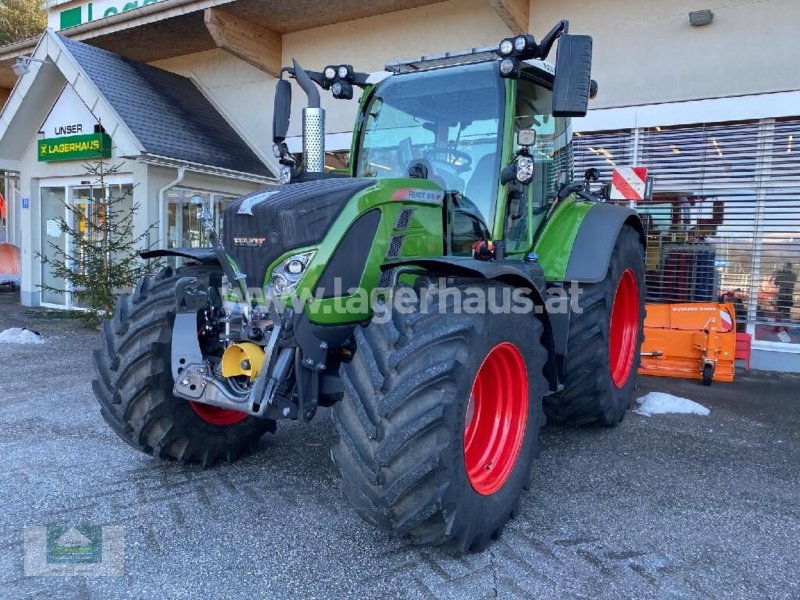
[604,343]
[420,451]
[134,382]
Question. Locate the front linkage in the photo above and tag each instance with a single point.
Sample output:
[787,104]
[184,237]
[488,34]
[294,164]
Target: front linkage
[266,353]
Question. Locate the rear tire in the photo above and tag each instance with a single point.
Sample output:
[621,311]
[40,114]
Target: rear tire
[602,360]
[134,382]
[417,455]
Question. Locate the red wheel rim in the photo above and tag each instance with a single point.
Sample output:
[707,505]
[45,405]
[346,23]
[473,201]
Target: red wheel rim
[216,415]
[624,328]
[494,425]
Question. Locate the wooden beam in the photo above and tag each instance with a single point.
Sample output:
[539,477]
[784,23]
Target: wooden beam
[4,94]
[252,43]
[514,13]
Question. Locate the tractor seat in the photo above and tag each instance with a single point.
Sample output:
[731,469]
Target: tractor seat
[480,187]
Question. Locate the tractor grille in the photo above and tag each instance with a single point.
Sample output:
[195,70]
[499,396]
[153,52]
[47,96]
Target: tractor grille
[396,246]
[404,218]
[386,278]
[259,228]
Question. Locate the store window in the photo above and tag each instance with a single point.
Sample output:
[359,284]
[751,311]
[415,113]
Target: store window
[777,317]
[602,150]
[700,219]
[184,229]
[724,220]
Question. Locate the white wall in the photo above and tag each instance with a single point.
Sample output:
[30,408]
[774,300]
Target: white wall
[240,91]
[646,51]
[245,94]
[368,44]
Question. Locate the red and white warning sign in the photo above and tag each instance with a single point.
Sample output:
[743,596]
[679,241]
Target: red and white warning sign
[628,183]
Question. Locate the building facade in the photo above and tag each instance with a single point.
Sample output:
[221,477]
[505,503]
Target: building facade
[713,110]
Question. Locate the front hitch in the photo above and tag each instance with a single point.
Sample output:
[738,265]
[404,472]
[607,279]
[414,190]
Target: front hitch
[196,378]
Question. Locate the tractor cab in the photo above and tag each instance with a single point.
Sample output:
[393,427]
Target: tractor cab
[490,127]
[451,126]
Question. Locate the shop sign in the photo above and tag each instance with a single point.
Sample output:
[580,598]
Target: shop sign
[59,18]
[75,147]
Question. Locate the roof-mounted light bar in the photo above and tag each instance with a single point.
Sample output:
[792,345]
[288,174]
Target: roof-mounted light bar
[447,59]
[511,52]
[522,48]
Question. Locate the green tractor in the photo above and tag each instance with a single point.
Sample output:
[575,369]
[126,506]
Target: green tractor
[443,295]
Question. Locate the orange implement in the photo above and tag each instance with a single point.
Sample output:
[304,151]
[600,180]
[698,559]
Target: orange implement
[9,264]
[693,341]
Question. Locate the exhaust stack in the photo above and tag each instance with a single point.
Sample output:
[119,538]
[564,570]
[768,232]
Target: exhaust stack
[313,124]
[314,139]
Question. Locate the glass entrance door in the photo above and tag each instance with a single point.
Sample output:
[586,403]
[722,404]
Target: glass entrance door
[86,210]
[53,240]
[80,206]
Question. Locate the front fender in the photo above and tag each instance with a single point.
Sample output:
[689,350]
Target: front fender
[205,256]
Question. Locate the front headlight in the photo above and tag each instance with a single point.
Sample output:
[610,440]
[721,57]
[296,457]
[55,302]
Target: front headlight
[287,275]
[524,169]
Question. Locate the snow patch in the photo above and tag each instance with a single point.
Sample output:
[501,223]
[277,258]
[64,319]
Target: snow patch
[20,335]
[659,403]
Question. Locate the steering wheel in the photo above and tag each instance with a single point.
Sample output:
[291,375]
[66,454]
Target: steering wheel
[458,159]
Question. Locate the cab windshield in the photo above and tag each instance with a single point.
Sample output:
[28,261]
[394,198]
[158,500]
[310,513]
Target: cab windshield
[443,124]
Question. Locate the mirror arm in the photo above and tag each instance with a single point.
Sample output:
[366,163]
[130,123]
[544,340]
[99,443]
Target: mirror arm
[360,79]
[547,42]
[509,173]
[307,84]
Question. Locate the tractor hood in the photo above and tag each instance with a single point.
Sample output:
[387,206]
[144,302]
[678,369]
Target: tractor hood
[260,227]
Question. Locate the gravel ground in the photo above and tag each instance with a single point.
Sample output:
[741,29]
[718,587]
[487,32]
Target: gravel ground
[677,506]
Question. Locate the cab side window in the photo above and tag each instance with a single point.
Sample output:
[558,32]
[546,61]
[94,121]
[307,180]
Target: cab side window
[552,156]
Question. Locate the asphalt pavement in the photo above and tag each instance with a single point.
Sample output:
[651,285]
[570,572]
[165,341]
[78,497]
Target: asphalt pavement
[673,506]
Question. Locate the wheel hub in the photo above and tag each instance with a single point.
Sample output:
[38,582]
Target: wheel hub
[623,328]
[216,415]
[495,419]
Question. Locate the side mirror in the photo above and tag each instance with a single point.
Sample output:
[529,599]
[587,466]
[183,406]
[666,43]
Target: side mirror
[591,174]
[573,78]
[282,110]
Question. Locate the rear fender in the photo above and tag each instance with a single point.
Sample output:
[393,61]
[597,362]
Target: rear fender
[577,242]
[595,240]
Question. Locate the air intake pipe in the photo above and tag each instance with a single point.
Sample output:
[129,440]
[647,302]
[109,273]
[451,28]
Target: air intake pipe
[313,123]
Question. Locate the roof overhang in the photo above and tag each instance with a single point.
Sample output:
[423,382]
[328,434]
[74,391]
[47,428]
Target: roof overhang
[161,161]
[37,91]
[177,27]
[9,165]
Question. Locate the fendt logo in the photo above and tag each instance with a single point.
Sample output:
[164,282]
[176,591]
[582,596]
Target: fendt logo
[249,242]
